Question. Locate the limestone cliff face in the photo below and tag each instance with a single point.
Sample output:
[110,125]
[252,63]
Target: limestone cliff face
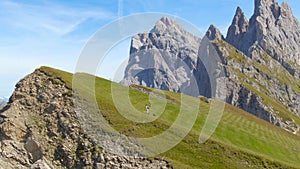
[260,89]
[39,128]
[273,28]
[163,58]
[272,39]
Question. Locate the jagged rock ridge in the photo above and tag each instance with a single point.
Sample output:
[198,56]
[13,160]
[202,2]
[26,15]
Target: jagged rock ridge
[255,88]
[273,29]
[238,28]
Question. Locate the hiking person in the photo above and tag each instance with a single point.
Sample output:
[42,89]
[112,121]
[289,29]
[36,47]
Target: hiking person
[147,108]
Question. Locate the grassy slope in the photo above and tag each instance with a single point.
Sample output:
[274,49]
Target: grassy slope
[240,141]
[276,72]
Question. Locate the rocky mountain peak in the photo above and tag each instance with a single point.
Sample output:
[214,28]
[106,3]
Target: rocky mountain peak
[286,6]
[167,26]
[238,27]
[241,20]
[262,7]
[286,12]
[163,58]
[213,33]
[272,29]
[167,21]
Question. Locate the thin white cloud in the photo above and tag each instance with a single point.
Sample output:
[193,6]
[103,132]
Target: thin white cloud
[47,18]
[120,8]
[64,28]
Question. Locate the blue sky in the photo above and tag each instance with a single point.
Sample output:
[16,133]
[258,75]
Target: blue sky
[53,33]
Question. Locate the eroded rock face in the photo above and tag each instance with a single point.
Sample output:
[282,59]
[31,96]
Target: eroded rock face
[272,28]
[237,29]
[214,33]
[163,58]
[250,87]
[40,129]
[272,38]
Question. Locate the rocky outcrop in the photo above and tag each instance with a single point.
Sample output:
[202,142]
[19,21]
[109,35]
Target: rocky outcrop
[163,58]
[39,128]
[257,89]
[237,29]
[214,33]
[273,29]
[272,39]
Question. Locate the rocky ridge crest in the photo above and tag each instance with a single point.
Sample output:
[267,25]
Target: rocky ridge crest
[273,28]
[39,128]
[257,89]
